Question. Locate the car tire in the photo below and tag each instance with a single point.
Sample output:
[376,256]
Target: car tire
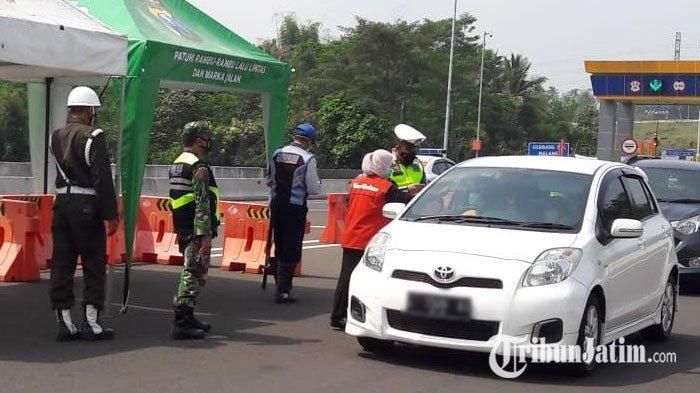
[591,327]
[669,302]
[375,345]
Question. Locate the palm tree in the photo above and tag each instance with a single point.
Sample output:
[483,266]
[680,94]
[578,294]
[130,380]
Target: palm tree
[517,68]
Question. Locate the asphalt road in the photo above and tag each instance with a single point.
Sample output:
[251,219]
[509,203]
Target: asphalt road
[257,346]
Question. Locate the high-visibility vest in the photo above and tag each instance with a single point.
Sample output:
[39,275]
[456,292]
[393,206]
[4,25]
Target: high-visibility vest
[405,176]
[182,194]
[364,218]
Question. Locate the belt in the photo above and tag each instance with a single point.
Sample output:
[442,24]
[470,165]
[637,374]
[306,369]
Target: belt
[76,190]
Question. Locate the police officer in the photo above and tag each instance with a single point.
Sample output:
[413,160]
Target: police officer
[409,174]
[85,199]
[195,202]
[292,177]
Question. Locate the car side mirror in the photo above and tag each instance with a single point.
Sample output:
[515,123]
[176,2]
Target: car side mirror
[624,228]
[393,210]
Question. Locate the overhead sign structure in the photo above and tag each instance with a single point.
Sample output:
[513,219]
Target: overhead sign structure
[548,149]
[629,146]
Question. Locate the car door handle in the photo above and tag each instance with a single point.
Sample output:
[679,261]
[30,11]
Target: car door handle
[642,245]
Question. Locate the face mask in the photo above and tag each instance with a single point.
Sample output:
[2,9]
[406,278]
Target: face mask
[407,158]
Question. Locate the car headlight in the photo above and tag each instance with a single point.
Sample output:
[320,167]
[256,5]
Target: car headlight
[374,254]
[552,266]
[688,226]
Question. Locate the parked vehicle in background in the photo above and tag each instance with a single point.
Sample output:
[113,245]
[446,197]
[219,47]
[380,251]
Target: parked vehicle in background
[435,166]
[676,184]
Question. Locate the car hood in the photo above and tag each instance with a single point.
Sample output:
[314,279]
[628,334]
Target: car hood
[679,211]
[494,242]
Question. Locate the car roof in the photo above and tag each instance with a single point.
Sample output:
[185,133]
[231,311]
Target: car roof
[563,164]
[668,164]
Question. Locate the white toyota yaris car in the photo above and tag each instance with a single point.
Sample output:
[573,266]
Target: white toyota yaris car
[540,248]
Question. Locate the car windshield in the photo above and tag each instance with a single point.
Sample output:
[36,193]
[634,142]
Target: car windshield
[674,185]
[509,197]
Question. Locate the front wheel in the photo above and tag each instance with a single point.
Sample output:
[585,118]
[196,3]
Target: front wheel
[589,336]
[375,345]
[662,331]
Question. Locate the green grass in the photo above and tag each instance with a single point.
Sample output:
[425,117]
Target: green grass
[671,135]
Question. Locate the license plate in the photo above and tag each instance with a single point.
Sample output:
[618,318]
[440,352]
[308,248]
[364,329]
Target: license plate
[439,307]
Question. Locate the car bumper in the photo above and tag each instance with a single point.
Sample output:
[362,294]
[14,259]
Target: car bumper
[514,310]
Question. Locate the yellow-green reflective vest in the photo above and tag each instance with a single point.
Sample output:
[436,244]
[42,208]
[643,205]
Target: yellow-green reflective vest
[405,176]
[182,194]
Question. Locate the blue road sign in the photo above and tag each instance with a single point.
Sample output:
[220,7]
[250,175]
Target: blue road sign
[546,149]
[680,152]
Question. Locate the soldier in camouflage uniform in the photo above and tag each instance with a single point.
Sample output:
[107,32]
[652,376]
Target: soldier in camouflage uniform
[195,200]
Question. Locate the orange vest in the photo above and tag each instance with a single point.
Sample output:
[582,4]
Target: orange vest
[364,218]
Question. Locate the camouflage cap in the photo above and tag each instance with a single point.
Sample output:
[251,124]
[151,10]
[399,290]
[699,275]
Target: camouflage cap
[195,129]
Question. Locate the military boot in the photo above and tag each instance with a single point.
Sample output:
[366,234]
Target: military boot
[183,327]
[197,323]
[66,329]
[91,329]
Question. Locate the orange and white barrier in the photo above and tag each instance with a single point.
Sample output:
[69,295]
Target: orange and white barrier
[156,241]
[246,227]
[42,240]
[335,223]
[19,221]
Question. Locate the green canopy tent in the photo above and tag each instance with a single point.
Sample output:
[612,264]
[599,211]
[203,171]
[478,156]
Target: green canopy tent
[174,45]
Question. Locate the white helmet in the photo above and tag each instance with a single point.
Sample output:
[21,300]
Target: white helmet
[83,96]
[409,134]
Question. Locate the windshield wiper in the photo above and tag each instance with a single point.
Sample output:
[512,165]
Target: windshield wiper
[439,217]
[682,200]
[463,219]
[546,225]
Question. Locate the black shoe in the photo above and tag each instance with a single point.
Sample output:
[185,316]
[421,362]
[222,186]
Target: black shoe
[338,325]
[199,324]
[184,327]
[284,297]
[91,329]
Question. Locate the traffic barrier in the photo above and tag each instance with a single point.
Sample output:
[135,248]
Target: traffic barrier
[42,239]
[19,220]
[335,223]
[246,227]
[156,241]
[116,244]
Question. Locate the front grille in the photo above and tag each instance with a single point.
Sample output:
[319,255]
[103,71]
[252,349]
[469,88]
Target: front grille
[469,282]
[475,330]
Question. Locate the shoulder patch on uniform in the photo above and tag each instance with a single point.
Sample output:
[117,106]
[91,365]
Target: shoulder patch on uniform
[287,158]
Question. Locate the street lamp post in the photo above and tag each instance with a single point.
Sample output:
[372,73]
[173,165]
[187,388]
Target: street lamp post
[449,84]
[481,89]
[697,143]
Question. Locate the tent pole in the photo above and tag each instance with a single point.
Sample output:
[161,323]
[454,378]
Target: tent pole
[118,191]
[47,132]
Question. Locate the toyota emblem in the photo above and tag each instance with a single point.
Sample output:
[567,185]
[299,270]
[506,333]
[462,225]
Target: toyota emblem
[444,273]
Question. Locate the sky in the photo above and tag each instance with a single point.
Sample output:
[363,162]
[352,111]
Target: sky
[556,35]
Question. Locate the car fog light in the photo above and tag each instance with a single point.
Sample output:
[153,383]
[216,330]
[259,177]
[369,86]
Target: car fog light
[549,331]
[694,262]
[357,309]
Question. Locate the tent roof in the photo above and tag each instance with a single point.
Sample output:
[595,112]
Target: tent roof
[173,40]
[51,38]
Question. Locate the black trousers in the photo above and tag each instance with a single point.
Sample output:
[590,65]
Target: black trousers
[288,224]
[78,230]
[351,258]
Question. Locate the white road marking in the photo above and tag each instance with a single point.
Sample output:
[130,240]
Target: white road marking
[321,246]
[216,255]
[168,310]
[217,249]
[311,241]
[318,226]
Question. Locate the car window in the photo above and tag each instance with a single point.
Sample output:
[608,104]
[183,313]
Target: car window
[674,184]
[613,203]
[523,196]
[641,206]
[440,166]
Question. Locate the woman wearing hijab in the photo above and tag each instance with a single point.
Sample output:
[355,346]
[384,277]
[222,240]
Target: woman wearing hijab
[369,192]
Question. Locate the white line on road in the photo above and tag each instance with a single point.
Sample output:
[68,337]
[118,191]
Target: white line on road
[311,241]
[170,310]
[217,249]
[318,226]
[321,246]
[216,255]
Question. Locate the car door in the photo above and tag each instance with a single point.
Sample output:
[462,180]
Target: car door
[648,274]
[618,257]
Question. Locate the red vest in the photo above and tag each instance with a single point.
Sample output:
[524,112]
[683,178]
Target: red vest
[363,218]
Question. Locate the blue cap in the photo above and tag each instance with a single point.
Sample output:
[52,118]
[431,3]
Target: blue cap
[306,130]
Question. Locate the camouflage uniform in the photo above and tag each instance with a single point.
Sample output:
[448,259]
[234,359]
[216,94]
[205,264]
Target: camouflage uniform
[196,265]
